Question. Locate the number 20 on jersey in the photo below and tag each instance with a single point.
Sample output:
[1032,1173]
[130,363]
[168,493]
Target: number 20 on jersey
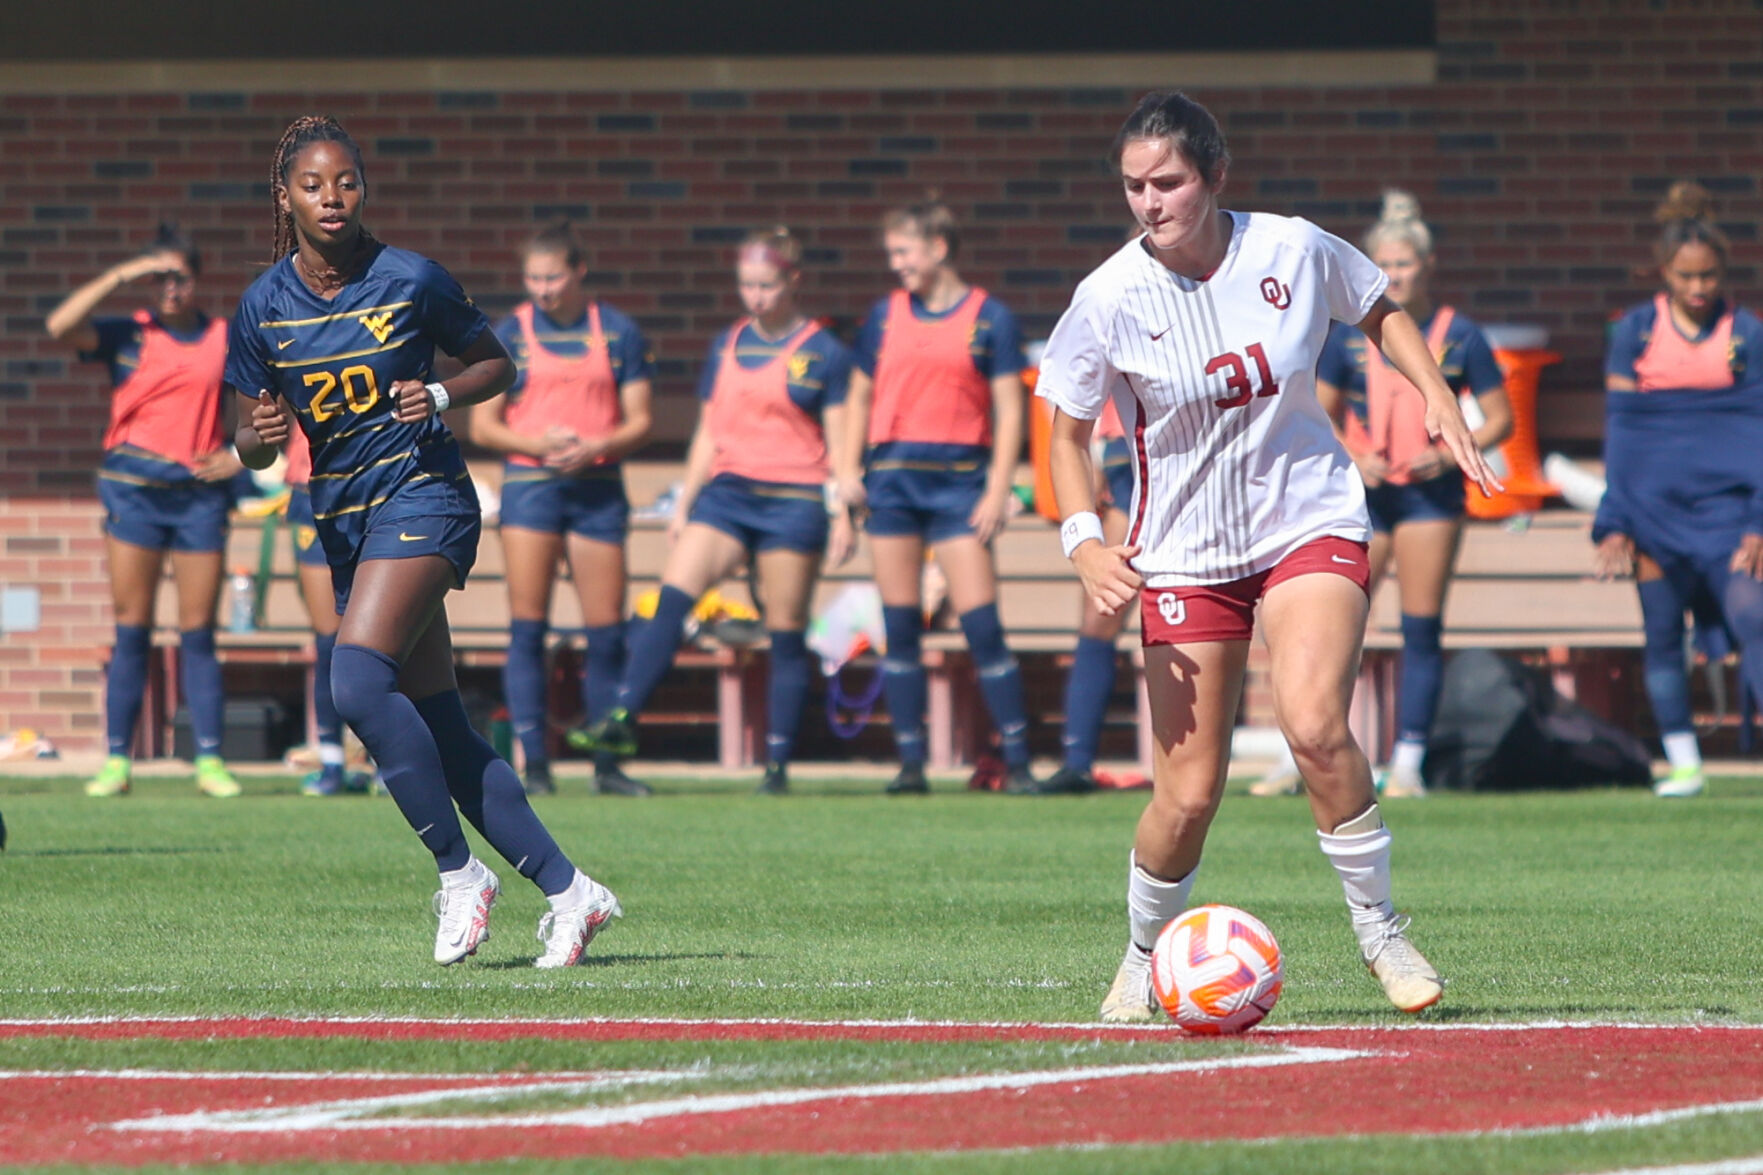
[360,388]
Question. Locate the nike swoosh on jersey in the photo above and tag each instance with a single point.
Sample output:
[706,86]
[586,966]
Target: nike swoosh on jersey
[1348,562]
[284,344]
[1162,332]
[413,538]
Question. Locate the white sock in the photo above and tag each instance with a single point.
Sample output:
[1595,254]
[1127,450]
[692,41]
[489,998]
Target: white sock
[1407,756]
[465,876]
[330,754]
[1360,853]
[1682,750]
[575,895]
[1286,763]
[1151,903]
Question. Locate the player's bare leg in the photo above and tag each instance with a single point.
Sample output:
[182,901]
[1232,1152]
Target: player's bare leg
[1313,624]
[1194,690]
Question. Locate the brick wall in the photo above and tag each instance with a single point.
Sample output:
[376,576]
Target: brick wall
[1538,155]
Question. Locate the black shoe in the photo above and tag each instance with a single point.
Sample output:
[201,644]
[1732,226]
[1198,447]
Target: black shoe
[2,832]
[910,781]
[1068,781]
[1020,781]
[776,781]
[613,782]
[538,780]
[615,733]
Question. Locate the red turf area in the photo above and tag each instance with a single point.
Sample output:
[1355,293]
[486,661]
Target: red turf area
[1428,1081]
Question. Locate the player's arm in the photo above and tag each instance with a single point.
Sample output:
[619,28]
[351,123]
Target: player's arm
[847,458]
[263,428]
[488,371]
[699,455]
[71,322]
[489,428]
[1393,331]
[1109,581]
[989,516]
[638,419]
[842,539]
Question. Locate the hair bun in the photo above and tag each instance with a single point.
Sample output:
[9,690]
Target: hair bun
[1399,207]
[1685,200]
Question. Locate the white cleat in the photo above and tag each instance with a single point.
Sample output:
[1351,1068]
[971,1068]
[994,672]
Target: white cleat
[566,933]
[1398,784]
[1408,979]
[1682,783]
[463,905]
[1130,1000]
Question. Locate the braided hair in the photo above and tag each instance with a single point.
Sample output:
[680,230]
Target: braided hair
[302,133]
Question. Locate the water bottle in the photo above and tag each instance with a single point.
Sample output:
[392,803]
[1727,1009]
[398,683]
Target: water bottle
[241,602]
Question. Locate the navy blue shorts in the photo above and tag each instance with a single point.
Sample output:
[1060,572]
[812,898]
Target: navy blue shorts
[452,536]
[182,516]
[764,515]
[932,503]
[593,507]
[308,551]
[1422,501]
[1117,473]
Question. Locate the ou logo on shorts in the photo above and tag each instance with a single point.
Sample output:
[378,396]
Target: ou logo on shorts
[1171,608]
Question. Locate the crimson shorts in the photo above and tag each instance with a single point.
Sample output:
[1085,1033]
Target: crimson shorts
[1226,611]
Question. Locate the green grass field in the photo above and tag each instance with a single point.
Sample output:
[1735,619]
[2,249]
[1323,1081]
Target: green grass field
[839,903]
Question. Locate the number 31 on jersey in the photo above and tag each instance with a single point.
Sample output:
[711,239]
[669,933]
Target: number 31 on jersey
[1237,379]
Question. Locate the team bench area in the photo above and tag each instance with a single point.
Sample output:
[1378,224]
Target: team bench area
[1525,590]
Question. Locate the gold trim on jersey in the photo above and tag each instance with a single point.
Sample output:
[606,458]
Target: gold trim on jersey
[333,317]
[930,466]
[383,498]
[408,453]
[391,346]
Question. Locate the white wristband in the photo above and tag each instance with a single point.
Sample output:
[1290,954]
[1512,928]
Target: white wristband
[1079,529]
[438,396]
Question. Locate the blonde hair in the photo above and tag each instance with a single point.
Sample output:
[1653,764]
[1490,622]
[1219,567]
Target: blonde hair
[1687,214]
[776,246]
[929,219]
[1400,222]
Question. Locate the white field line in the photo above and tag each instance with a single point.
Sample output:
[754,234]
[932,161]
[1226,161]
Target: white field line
[341,1115]
[1750,1166]
[290,1075]
[1003,1026]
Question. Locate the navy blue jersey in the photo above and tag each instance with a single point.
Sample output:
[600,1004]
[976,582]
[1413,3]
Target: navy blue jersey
[1468,363]
[626,348]
[334,362]
[119,343]
[816,380]
[996,344]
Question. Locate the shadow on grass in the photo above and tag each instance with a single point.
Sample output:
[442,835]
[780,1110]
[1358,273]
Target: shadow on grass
[616,960]
[119,851]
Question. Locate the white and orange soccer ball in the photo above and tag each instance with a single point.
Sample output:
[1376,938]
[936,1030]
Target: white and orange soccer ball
[1216,969]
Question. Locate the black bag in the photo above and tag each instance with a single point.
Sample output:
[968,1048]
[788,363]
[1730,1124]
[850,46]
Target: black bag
[1502,727]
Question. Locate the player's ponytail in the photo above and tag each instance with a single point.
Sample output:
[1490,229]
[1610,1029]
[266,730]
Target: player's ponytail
[556,240]
[1687,214]
[774,246]
[929,219]
[1400,222]
[168,238]
[302,133]
[1186,125]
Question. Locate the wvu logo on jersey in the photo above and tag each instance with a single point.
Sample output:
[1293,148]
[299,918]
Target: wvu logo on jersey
[378,325]
[799,366]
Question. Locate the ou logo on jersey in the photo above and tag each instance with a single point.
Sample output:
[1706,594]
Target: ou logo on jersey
[1276,293]
[1172,608]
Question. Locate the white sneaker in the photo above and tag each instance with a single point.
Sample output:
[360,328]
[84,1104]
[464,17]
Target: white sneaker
[566,933]
[463,906]
[1682,783]
[1408,979]
[1130,1000]
[1400,784]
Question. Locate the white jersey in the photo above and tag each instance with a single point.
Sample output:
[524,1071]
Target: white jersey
[1235,464]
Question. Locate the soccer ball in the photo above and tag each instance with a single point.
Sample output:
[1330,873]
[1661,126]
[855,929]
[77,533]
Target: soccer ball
[1216,969]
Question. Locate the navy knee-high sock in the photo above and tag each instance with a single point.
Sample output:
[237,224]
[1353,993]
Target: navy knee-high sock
[364,683]
[489,794]
[200,670]
[652,651]
[324,706]
[1087,688]
[602,669]
[788,692]
[1423,673]
[523,685]
[903,680]
[1743,602]
[125,685]
[1668,684]
[1000,681]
